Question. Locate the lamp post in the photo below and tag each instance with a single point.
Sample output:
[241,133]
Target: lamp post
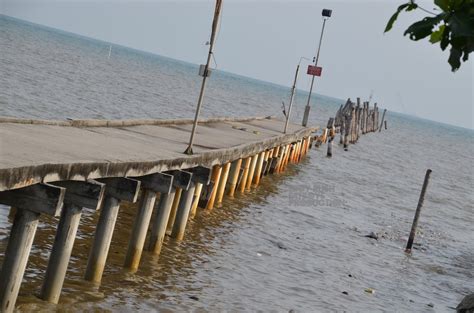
[314,70]
[204,71]
[293,89]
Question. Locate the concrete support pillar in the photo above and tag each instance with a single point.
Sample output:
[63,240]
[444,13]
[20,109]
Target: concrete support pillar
[116,189]
[174,209]
[251,172]
[61,253]
[234,176]
[267,162]
[16,257]
[216,176]
[30,202]
[222,183]
[139,230]
[197,196]
[280,158]
[258,170]
[79,194]
[183,213]
[152,184]
[245,174]
[275,159]
[102,238]
[158,229]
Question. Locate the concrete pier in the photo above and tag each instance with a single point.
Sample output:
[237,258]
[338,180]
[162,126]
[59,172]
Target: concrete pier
[56,168]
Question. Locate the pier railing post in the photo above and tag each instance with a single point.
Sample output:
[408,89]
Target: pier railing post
[79,194]
[116,190]
[151,184]
[30,202]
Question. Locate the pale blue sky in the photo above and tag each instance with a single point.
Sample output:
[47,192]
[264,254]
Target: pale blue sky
[265,39]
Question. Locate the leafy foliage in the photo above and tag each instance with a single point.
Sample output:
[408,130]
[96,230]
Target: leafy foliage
[453,26]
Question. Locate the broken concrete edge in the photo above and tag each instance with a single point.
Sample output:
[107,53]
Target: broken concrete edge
[131,122]
[13,178]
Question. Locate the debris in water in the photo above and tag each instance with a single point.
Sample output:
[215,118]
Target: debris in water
[466,305]
[431,305]
[369,290]
[372,235]
[194,298]
[345,292]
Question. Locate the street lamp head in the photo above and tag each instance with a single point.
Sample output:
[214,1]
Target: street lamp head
[326,13]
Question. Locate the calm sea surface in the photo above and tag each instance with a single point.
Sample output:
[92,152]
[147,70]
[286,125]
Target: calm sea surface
[298,241]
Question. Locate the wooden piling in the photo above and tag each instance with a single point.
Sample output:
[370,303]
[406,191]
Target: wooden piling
[329,152]
[183,213]
[234,177]
[222,183]
[251,172]
[216,176]
[341,131]
[418,211]
[383,117]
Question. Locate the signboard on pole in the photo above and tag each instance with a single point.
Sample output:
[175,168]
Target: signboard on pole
[314,70]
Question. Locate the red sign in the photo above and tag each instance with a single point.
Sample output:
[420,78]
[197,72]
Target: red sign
[314,70]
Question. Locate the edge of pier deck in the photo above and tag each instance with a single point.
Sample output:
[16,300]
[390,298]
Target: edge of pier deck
[12,177]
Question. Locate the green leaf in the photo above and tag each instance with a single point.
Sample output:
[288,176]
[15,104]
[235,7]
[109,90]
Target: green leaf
[437,35]
[445,39]
[395,16]
[455,59]
[443,4]
[423,28]
[461,23]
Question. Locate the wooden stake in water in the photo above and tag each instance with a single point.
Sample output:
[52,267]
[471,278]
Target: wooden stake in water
[418,210]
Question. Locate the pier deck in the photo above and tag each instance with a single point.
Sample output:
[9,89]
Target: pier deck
[33,151]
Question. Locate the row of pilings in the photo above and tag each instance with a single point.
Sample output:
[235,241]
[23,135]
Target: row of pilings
[166,202]
[351,121]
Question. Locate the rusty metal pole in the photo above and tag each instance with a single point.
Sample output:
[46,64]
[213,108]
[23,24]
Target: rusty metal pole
[215,22]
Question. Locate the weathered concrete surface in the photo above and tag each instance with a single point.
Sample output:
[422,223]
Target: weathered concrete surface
[33,151]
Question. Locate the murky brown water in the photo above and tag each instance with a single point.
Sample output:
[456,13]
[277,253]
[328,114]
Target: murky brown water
[297,242]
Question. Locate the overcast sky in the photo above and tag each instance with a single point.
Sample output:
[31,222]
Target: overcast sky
[265,39]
